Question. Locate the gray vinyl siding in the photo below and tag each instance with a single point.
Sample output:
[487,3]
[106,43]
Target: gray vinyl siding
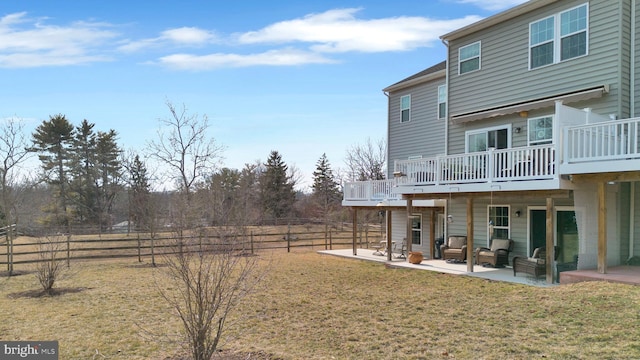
[399,230]
[625,61]
[637,61]
[424,134]
[518,225]
[505,78]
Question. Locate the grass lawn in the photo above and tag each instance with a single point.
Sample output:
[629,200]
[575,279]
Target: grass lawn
[313,306]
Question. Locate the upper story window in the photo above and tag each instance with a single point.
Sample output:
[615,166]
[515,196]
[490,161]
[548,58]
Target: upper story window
[405,108]
[469,58]
[540,130]
[558,37]
[442,101]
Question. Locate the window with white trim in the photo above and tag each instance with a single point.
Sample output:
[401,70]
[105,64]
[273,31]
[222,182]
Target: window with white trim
[483,139]
[442,101]
[416,229]
[469,58]
[559,37]
[405,108]
[540,130]
[498,227]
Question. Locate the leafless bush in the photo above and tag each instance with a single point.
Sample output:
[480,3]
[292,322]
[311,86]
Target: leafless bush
[209,280]
[50,266]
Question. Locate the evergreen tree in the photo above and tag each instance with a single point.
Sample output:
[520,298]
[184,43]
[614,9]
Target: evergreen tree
[108,174]
[326,190]
[140,193]
[276,188]
[52,140]
[83,170]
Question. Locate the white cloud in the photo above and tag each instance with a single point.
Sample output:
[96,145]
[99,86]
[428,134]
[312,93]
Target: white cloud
[493,5]
[184,36]
[340,31]
[285,57]
[45,45]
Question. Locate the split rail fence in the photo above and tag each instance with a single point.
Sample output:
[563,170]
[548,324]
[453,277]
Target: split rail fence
[28,250]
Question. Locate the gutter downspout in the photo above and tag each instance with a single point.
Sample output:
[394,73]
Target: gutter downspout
[632,64]
[388,125]
[632,109]
[446,117]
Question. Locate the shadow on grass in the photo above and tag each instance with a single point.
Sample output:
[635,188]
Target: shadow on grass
[42,293]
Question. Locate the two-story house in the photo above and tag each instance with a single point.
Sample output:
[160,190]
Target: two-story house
[541,141]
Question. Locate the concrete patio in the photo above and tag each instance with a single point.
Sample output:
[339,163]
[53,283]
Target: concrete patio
[441,266]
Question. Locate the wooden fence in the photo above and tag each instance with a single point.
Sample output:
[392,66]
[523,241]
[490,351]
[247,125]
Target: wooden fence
[28,250]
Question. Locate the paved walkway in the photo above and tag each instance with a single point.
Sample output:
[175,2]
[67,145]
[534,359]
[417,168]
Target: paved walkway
[441,266]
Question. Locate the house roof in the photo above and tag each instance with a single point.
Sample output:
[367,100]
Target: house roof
[434,72]
[497,18]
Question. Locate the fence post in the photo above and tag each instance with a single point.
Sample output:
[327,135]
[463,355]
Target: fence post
[69,250]
[289,239]
[330,240]
[251,242]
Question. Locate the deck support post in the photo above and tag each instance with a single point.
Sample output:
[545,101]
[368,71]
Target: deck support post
[602,227]
[354,212]
[469,234]
[388,219]
[550,249]
[409,225]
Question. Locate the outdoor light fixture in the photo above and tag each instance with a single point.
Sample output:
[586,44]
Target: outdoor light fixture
[518,213]
[449,219]
[517,130]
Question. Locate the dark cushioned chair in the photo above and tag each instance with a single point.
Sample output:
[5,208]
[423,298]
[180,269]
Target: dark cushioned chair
[454,248]
[497,255]
[535,265]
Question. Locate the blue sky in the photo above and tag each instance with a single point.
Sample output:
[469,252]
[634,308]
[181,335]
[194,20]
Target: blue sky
[300,77]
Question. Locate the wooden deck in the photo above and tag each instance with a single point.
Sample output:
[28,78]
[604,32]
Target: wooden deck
[619,274]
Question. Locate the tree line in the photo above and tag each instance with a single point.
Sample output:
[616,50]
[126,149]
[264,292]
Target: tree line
[87,180]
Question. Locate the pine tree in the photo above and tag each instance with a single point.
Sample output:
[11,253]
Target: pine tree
[52,140]
[276,188]
[326,190]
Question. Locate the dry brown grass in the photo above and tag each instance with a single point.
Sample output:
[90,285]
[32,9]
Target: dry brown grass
[315,306]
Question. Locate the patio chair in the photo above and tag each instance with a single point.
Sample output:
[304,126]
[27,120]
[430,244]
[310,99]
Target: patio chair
[454,248]
[535,265]
[497,255]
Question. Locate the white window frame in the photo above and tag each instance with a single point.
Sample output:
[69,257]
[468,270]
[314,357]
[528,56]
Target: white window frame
[531,128]
[442,100]
[509,219]
[403,109]
[557,38]
[415,230]
[486,130]
[461,60]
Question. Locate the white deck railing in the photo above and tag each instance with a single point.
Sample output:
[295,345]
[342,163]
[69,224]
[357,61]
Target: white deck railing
[611,140]
[372,190]
[524,163]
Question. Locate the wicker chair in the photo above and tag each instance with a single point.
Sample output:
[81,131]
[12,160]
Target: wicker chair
[497,255]
[535,265]
[455,248]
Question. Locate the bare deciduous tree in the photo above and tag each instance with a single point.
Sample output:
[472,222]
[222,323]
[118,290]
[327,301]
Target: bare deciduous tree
[186,148]
[13,152]
[367,161]
[210,282]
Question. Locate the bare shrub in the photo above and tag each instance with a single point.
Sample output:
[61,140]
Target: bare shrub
[50,264]
[210,278]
